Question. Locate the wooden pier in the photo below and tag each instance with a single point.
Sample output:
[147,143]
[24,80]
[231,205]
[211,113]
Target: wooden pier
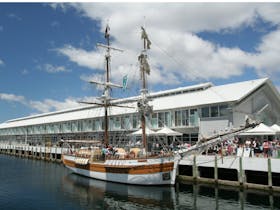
[35,152]
[243,172]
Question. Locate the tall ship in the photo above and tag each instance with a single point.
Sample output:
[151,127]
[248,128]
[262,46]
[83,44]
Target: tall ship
[137,166]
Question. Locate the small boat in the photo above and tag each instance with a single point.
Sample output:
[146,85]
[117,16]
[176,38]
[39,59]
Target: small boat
[137,166]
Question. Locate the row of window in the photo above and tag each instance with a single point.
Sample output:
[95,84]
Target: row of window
[214,111]
[176,118]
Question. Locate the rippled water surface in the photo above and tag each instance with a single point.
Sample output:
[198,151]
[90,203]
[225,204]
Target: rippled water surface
[32,184]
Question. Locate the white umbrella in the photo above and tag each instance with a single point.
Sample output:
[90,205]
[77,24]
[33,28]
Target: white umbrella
[149,132]
[260,130]
[276,128]
[168,132]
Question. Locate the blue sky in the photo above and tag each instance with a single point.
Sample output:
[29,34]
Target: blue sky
[48,51]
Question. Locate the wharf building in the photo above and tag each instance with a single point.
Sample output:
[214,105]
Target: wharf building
[196,111]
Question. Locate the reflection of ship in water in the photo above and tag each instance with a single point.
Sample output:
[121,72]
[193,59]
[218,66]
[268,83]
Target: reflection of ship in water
[115,195]
[107,195]
[203,196]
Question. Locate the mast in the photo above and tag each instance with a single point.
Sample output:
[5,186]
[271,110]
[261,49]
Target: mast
[106,87]
[106,97]
[143,105]
[107,84]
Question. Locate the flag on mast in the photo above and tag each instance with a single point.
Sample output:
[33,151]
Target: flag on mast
[146,38]
[107,31]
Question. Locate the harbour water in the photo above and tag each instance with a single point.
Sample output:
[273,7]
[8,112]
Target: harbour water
[32,184]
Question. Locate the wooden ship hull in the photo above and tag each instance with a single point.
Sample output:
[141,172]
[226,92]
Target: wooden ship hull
[149,171]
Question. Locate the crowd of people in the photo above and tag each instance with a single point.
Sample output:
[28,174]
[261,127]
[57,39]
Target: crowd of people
[250,147]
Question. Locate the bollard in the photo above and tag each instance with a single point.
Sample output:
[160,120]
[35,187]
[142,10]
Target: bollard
[194,168]
[240,177]
[216,169]
[269,175]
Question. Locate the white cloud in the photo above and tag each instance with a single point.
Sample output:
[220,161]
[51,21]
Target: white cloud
[92,59]
[12,98]
[24,72]
[177,53]
[49,105]
[270,12]
[93,77]
[55,24]
[46,105]
[1,62]
[14,16]
[266,61]
[51,68]
[61,6]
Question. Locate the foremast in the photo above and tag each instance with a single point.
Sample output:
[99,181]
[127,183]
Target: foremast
[143,107]
[106,97]
[106,87]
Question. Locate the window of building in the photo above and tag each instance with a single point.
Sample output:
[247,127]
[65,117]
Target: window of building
[161,120]
[205,112]
[178,118]
[111,123]
[194,137]
[135,121]
[223,109]
[214,111]
[49,128]
[185,117]
[89,126]
[154,121]
[102,124]
[56,128]
[80,126]
[186,138]
[74,126]
[125,122]
[117,123]
[64,127]
[193,117]
[97,125]
[93,125]
[167,119]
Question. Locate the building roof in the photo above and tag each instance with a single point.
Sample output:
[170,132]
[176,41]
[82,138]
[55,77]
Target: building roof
[191,96]
[233,92]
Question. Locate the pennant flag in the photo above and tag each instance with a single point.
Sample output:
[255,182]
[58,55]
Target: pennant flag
[125,82]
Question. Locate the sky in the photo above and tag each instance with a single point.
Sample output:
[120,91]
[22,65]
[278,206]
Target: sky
[48,52]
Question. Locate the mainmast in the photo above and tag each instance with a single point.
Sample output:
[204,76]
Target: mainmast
[143,105]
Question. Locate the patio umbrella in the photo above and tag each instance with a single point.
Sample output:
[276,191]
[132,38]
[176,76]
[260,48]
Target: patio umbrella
[168,132]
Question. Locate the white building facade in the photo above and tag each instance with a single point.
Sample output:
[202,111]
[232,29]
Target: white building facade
[195,111]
